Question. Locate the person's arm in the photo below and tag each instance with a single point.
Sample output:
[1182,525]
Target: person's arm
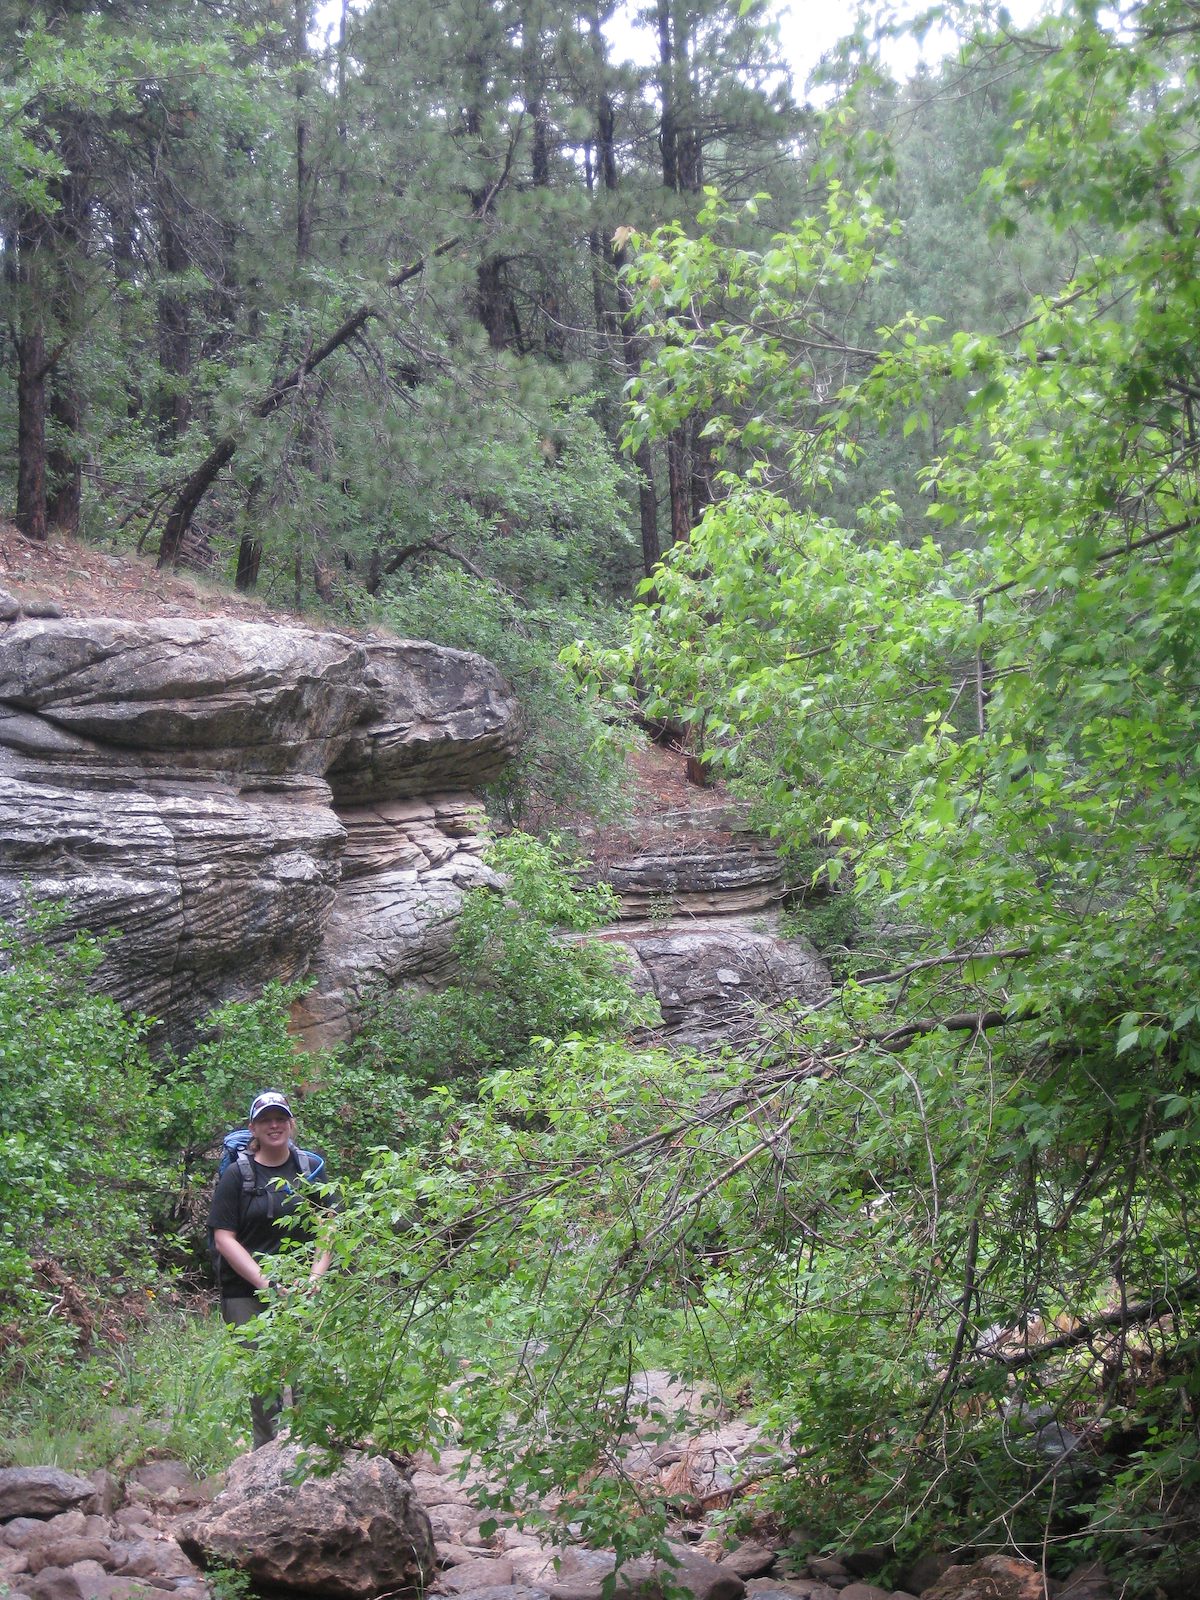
[238,1257]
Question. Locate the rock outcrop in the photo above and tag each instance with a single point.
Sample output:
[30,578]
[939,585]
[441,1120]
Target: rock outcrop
[240,802]
[700,895]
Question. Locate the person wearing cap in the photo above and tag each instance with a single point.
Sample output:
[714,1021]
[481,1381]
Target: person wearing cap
[248,1229]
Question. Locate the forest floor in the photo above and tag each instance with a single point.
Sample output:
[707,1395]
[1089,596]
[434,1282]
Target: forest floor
[90,582]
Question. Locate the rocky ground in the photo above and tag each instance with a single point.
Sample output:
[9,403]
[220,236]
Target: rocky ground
[372,1530]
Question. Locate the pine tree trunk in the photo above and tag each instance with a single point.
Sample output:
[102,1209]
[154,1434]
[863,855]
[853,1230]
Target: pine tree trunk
[174,336]
[22,268]
[63,469]
[30,515]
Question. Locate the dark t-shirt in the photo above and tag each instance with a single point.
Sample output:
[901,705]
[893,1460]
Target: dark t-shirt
[260,1221]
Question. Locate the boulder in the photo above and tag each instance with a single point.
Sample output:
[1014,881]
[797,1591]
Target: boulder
[189,695]
[41,1492]
[84,1580]
[66,1552]
[435,719]
[994,1578]
[712,978]
[352,1535]
[469,1577]
[579,1574]
[750,1560]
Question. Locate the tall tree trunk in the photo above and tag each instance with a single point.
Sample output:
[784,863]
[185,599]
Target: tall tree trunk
[67,240]
[703,468]
[679,485]
[23,267]
[668,138]
[492,302]
[30,515]
[302,21]
[64,471]
[174,333]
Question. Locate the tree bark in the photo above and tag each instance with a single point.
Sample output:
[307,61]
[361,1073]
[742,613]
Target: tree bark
[23,267]
[174,334]
[64,471]
[679,485]
[30,515]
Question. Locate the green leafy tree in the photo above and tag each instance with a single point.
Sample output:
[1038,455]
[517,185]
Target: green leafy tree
[962,1192]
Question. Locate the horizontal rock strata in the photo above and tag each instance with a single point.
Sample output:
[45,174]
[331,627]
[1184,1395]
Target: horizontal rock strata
[239,802]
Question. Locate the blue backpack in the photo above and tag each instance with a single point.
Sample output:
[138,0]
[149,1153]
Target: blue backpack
[235,1148]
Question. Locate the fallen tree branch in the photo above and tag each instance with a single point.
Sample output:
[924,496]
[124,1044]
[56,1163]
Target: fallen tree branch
[1143,1311]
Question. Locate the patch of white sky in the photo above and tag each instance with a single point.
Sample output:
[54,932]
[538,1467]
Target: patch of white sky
[808,31]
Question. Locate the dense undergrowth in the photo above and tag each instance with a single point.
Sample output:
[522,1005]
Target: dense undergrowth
[107,1153]
[524,1223]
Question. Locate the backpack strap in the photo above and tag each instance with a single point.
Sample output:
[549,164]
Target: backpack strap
[303,1160]
[249,1184]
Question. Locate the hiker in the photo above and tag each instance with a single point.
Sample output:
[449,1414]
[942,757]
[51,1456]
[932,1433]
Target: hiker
[255,1198]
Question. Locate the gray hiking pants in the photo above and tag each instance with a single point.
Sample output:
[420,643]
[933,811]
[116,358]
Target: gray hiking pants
[264,1408]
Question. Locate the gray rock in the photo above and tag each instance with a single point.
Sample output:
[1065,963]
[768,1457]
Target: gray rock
[66,1552]
[711,980]
[749,1560]
[469,1577]
[166,780]
[435,719]
[790,1589]
[41,1491]
[578,1574]
[725,877]
[108,1491]
[84,1580]
[150,1558]
[12,1563]
[10,606]
[350,1536]
[190,695]
[406,867]
[42,608]
[20,1531]
[168,1482]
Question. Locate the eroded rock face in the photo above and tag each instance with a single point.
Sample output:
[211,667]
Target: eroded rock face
[712,977]
[433,721]
[353,1535]
[406,866]
[700,894]
[244,697]
[167,781]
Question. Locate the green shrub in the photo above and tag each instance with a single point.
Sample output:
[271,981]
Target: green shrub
[78,1123]
[522,978]
[571,757]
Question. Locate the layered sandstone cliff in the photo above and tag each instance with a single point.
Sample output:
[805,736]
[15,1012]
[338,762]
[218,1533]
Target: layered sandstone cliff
[241,801]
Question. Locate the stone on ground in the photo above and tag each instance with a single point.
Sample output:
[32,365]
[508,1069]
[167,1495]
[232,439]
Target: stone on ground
[351,1536]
